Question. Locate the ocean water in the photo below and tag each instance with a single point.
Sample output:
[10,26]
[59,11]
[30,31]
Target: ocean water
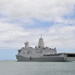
[37,68]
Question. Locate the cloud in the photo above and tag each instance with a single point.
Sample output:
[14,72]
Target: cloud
[61,36]
[11,34]
[16,14]
[40,9]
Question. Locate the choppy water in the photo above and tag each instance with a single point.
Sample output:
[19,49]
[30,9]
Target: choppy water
[37,68]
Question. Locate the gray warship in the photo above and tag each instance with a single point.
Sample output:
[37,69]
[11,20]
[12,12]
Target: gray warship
[40,53]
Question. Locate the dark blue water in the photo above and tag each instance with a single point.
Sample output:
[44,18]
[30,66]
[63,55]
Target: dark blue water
[37,68]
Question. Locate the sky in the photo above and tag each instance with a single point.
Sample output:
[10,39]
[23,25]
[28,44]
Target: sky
[26,20]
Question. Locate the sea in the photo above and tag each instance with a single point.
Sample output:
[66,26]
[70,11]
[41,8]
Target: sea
[8,67]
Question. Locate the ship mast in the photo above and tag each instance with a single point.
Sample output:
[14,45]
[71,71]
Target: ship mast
[41,42]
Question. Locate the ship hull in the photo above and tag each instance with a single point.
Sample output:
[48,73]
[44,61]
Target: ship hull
[70,58]
[41,59]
